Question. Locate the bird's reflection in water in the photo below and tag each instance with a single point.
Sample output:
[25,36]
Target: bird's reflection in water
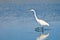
[42,36]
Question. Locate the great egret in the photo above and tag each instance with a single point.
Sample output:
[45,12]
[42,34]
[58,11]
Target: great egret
[40,21]
[43,36]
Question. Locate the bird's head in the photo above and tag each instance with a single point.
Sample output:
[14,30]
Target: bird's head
[32,10]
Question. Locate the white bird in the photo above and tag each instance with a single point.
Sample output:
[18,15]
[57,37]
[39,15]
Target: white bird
[40,21]
[42,36]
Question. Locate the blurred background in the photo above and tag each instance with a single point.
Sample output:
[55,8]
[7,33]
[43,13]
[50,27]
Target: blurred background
[18,23]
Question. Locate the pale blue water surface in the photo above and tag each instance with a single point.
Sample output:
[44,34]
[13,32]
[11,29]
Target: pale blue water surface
[18,23]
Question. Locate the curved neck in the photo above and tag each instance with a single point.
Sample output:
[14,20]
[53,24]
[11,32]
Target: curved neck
[35,14]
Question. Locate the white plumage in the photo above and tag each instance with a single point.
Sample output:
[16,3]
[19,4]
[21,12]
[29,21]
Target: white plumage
[40,21]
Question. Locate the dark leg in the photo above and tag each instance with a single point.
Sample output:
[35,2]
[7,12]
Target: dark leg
[42,29]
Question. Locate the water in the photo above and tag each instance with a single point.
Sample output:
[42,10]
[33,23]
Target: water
[18,23]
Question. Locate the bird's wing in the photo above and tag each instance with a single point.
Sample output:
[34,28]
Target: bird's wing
[42,22]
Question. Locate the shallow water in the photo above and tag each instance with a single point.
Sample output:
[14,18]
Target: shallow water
[17,23]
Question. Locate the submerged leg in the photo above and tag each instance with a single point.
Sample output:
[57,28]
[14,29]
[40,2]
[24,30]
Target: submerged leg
[42,29]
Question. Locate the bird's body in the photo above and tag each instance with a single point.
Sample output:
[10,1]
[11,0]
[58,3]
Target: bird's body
[43,24]
[40,21]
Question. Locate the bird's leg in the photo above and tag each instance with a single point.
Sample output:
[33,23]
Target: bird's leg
[42,29]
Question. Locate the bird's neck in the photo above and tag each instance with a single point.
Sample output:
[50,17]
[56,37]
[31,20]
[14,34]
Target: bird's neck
[35,15]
